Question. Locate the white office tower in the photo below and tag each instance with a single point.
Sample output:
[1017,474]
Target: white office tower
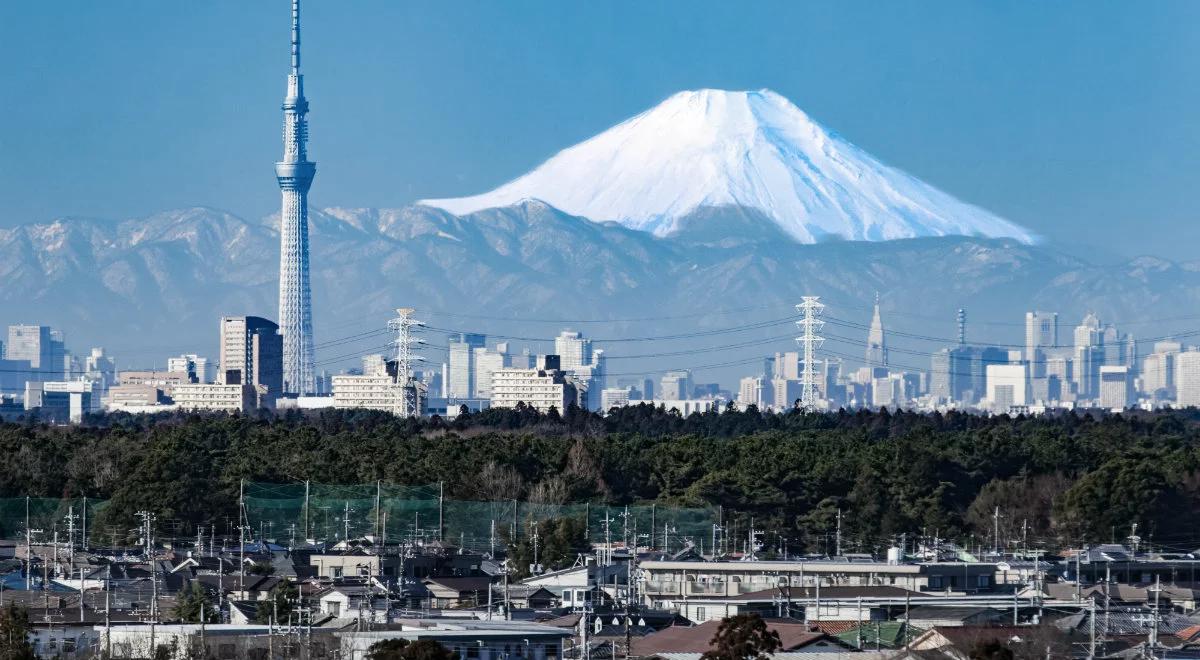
[198,368]
[1158,370]
[488,362]
[786,366]
[750,391]
[460,381]
[1007,386]
[1089,355]
[586,365]
[33,344]
[1041,333]
[1115,386]
[675,385]
[614,397]
[374,364]
[100,368]
[1187,379]
[294,174]
[877,352]
[63,401]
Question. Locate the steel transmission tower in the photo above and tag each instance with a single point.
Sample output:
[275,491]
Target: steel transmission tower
[295,174]
[810,325]
[407,397]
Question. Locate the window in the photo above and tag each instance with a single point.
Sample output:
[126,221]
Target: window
[700,616]
[981,581]
[336,571]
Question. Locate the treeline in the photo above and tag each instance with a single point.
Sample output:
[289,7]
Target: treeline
[1056,479]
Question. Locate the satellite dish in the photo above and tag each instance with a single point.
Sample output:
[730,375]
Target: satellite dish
[1004,566]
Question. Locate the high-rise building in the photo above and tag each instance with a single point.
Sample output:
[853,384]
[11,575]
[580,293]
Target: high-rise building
[1187,378]
[1115,386]
[1007,386]
[675,385]
[751,390]
[585,364]
[198,368]
[488,362]
[786,365]
[877,353]
[251,354]
[1041,332]
[614,397]
[294,173]
[1089,355]
[32,343]
[100,368]
[460,382]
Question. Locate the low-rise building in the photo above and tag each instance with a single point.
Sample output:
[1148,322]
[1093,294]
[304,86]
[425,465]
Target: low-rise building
[215,397]
[668,582]
[541,389]
[476,640]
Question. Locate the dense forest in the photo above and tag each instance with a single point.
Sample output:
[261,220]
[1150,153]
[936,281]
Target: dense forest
[1057,480]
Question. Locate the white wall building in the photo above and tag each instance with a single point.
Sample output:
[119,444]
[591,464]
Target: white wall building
[684,406]
[614,397]
[215,397]
[1115,387]
[1007,386]
[751,390]
[1187,379]
[538,388]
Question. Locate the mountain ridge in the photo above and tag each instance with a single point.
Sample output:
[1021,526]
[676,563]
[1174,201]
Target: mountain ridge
[148,288]
[749,149]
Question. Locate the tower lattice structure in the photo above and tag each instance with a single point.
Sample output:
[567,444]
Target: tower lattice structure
[809,324]
[295,174]
[407,391]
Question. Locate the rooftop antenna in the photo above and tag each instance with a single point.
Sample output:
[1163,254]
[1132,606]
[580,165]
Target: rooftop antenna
[295,36]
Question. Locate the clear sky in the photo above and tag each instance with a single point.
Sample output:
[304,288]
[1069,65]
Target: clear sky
[1080,120]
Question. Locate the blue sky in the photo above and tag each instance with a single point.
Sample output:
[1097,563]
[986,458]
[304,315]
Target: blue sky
[1076,119]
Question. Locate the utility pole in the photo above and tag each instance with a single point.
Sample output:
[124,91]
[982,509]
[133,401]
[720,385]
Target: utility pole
[307,535]
[996,531]
[29,550]
[809,325]
[441,510]
[241,534]
[839,532]
[148,520]
[1154,628]
[1092,630]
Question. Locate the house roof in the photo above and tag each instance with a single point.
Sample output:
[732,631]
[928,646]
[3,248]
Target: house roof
[697,639]
[460,584]
[799,593]
[961,613]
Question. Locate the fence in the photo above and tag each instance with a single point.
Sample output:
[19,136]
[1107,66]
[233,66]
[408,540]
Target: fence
[290,513]
[406,513]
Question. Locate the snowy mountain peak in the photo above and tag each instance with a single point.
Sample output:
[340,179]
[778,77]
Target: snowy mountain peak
[755,149]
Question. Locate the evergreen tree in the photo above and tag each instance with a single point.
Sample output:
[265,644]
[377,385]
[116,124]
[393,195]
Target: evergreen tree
[743,637]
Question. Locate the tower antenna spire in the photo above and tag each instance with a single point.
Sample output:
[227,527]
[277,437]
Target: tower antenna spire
[294,173]
[295,36]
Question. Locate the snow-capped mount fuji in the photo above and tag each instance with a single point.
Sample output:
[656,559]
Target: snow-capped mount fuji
[749,149]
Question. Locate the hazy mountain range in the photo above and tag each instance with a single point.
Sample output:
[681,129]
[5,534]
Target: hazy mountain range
[714,210]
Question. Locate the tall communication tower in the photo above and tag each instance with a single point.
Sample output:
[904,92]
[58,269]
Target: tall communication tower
[407,397]
[810,325]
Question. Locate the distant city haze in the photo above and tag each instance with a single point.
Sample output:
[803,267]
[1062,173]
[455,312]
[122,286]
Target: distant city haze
[1073,120]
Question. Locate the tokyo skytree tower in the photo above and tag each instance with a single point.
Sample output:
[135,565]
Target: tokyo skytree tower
[295,174]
